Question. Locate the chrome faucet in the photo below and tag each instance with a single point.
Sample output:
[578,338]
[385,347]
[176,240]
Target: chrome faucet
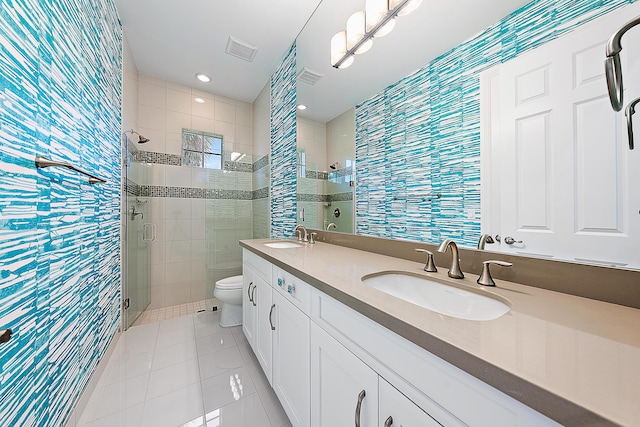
[485,238]
[454,270]
[331,225]
[301,237]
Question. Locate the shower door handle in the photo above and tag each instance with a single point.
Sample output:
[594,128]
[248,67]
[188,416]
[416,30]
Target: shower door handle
[145,228]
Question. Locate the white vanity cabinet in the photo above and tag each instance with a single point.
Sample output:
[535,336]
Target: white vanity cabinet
[264,325]
[396,410]
[276,315]
[290,379]
[248,307]
[340,384]
[326,360]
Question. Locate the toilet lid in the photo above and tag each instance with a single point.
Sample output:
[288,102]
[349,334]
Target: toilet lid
[232,282]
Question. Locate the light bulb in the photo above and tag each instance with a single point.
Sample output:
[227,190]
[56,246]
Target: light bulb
[386,29]
[338,46]
[375,11]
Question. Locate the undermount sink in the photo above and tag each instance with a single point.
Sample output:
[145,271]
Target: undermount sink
[435,296]
[283,245]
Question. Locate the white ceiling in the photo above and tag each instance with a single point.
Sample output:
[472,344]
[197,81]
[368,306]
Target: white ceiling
[174,40]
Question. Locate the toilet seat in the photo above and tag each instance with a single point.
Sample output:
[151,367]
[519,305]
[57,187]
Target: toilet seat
[230,283]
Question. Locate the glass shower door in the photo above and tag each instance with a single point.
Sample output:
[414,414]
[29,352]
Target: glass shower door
[139,233]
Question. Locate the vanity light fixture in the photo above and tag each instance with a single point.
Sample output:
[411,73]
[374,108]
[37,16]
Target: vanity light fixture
[199,100]
[377,20]
[203,77]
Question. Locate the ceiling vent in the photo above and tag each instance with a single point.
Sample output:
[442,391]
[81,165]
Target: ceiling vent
[309,76]
[241,49]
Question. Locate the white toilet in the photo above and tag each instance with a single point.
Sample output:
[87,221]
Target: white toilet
[229,292]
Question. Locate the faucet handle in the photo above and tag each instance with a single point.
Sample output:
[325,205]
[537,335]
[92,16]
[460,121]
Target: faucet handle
[299,235]
[430,266]
[312,239]
[485,278]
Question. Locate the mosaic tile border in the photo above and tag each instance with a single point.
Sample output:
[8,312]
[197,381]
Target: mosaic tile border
[262,193]
[131,188]
[260,163]
[176,160]
[325,198]
[157,158]
[316,175]
[193,193]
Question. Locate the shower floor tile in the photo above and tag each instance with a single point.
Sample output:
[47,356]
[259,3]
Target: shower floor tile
[158,314]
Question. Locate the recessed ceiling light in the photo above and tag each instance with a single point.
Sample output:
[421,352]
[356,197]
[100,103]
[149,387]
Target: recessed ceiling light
[199,100]
[302,107]
[203,77]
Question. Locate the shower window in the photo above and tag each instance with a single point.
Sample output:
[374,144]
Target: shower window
[201,149]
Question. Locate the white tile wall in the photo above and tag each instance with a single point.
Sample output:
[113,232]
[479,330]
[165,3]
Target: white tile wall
[341,138]
[179,254]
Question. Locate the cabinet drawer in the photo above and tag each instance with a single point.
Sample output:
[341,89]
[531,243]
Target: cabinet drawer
[295,290]
[260,265]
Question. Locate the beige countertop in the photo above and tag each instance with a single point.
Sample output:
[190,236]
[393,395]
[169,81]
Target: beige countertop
[574,359]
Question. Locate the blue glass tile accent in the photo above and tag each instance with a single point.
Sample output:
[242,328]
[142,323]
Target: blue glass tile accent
[283,147]
[60,97]
[421,135]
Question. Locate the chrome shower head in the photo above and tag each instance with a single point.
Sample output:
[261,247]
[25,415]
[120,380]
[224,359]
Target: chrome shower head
[334,166]
[141,139]
[613,67]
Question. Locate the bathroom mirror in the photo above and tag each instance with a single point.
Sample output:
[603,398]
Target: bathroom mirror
[399,54]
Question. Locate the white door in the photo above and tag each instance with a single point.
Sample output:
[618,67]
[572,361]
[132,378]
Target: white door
[291,360]
[565,172]
[396,410]
[248,307]
[340,384]
[264,324]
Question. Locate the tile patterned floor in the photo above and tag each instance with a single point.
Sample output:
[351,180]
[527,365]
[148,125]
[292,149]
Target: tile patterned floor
[149,316]
[183,372]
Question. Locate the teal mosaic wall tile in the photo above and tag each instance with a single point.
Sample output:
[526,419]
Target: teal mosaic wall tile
[60,97]
[283,147]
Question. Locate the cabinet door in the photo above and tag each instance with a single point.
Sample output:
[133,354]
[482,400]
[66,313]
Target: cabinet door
[396,410]
[291,360]
[248,308]
[338,380]
[264,322]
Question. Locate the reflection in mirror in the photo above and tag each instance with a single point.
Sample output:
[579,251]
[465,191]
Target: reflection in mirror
[418,139]
[326,173]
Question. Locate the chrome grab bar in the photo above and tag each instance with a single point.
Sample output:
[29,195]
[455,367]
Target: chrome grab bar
[43,162]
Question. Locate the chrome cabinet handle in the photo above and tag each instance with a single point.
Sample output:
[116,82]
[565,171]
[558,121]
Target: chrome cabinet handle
[361,397]
[273,328]
[249,292]
[253,299]
[388,422]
